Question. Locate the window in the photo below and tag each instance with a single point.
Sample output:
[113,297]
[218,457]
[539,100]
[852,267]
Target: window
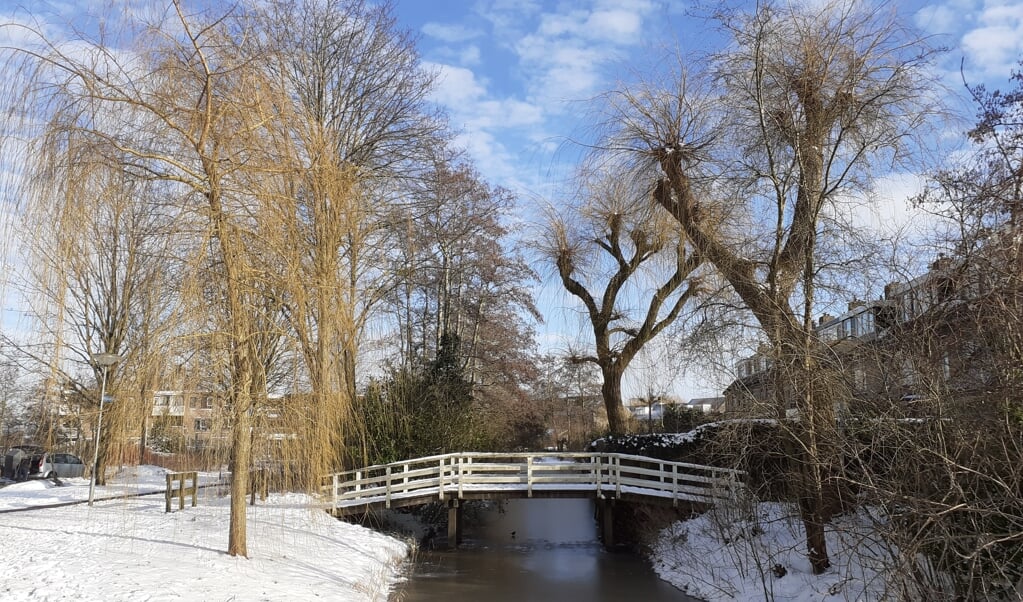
[849,328]
[162,400]
[207,402]
[866,323]
[202,424]
[193,402]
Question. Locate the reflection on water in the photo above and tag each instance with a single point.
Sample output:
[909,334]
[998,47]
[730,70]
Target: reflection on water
[534,550]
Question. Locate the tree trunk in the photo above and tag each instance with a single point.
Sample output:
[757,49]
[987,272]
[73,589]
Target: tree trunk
[241,448]
[611,391]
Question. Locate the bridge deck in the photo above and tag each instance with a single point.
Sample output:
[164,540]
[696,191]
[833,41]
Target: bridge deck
[500,476]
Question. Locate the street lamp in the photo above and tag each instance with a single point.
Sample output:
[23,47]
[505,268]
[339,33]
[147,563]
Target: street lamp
[105,360]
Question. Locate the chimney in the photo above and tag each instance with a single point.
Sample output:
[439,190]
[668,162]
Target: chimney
[824,319]
[942,263]
[855,303]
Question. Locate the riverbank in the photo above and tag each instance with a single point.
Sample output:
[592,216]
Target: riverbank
[130,549]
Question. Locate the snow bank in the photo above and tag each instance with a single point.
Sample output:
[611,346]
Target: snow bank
[759,553]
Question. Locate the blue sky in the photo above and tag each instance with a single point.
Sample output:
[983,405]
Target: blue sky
[515,77]
[515,74]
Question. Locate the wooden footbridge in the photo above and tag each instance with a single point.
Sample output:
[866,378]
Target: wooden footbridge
[452,478]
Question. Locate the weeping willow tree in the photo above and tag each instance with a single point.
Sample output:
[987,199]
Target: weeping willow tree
[272,137]
[181,105]
[355,130]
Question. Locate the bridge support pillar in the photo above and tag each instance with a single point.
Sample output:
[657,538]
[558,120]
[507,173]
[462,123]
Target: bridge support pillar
[454,523]
[605,520]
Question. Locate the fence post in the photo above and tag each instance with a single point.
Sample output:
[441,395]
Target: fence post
[616,463]
[529,476]
[674,485]
[167,493]
[440,479]
[335,475]
[463,469]
[387,495]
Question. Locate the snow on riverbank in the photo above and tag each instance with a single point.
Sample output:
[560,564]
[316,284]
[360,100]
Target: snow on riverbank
[759,554]
[130,549]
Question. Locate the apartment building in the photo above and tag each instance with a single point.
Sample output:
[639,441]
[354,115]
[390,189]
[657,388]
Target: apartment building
[914,343]
[192,418]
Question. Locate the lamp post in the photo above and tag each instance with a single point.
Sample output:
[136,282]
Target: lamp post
[105,360]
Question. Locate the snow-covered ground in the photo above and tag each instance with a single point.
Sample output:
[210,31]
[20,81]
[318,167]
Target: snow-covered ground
[758,552]
[130,549]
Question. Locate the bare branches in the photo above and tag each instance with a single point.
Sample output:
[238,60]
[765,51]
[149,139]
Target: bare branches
[611,252]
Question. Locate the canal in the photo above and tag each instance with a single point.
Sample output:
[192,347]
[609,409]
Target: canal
[533,550]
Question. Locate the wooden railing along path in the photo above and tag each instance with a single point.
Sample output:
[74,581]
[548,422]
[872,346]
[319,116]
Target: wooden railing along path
[476,475]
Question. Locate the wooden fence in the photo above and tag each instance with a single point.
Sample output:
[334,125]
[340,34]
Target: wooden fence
[181,479]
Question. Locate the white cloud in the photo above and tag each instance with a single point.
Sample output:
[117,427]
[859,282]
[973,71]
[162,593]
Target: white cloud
[621,26]
[470,55]
[451,33]
[480,116]
[990,33]
[470,103]
[565,55]
[457,87]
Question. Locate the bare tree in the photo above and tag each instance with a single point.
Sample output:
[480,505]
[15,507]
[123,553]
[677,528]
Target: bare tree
[749,150]
[631,268]
[97,272]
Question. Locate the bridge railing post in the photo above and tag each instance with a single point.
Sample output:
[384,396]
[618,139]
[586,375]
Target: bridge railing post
[674,485]
[529,476]
[440,478]
[461,473]
[387,488]
[616,463]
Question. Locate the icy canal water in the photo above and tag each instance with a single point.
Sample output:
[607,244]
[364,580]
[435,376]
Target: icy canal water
[534,550]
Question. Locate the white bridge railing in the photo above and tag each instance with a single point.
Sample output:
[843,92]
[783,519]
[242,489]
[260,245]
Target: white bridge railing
[477,474]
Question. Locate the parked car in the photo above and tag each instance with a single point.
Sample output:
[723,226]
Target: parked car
[31,461]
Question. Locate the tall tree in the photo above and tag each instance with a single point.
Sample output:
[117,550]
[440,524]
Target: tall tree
[357,125]
[764,139]
[181,105]
[98,272]
[459,278]
[632,270]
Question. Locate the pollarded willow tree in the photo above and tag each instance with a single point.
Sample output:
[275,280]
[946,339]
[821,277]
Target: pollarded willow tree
[632,269]
[749,150]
